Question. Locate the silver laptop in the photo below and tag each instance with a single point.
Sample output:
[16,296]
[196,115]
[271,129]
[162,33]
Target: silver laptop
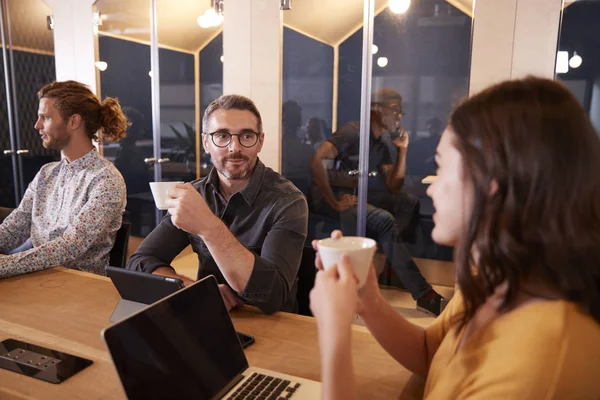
[185,347]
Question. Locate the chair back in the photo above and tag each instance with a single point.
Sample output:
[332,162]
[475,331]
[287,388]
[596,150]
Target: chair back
[118,254]
[306,280]
[4,211]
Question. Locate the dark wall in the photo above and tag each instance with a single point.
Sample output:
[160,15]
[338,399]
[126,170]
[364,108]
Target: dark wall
[307,88]
[127,76]
[32,71]
[308,75]
[211,72]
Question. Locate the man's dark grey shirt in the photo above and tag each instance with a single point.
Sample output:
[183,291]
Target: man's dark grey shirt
[269,217]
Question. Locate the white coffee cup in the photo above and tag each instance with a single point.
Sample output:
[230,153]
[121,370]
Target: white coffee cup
[159,192]
[360,250]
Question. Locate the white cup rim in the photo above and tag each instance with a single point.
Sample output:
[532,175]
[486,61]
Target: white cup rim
[370,243]
[161,182]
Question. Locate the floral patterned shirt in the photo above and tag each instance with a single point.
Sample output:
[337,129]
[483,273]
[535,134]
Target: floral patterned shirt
[71,212]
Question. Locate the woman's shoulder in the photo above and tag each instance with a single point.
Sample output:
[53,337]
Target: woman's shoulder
[550,342]
[550,321]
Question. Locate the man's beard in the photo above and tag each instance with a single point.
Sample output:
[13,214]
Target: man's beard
[393,127]
[56,143]
[243,173]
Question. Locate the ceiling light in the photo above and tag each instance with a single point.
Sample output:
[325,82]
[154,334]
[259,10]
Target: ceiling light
[399,6]
[575,61]
[203,22]
[375,49]
[562,62]
[209,19]
[210,13]
[382,62]
[101,65]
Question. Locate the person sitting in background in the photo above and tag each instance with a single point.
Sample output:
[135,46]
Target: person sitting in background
[246,222]
[295,155]
[315,132]
[391,215]
[518,195]
[73,208]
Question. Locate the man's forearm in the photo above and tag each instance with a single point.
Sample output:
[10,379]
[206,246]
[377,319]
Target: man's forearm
[233,259]
[395,180]
[321,180]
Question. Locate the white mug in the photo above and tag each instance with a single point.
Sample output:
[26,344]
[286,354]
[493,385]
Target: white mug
[360,250]
[159,192]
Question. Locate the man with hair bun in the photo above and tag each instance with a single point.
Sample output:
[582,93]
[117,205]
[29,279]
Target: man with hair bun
[73,208]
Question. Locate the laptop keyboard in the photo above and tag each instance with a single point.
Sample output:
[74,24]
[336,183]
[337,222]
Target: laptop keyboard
[264,387]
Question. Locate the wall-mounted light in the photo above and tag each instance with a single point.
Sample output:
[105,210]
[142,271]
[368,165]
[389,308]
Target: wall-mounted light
[382,62]
[222,58]
[374,49]
[150,74]
[562,62]
[399,6]
[101,65]
[50,22]
[575,61]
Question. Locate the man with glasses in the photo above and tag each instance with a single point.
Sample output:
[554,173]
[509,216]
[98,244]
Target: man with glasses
[245,221]
[392,216]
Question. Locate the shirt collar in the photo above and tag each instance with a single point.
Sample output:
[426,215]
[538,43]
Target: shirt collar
[251,190]
[82,161]
[373,138]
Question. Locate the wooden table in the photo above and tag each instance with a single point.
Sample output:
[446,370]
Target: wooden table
[428,180]
[66,310]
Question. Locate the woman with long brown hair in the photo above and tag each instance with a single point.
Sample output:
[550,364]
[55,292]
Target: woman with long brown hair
[518,196]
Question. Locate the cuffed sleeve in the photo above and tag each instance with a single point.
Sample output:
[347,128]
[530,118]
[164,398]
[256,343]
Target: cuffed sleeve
[275,269]
[16,228]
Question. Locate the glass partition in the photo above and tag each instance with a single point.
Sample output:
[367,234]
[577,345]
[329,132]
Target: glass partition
[420,70]
[190,75]
[179,38]
[308,109]
[27,64]
[123,71]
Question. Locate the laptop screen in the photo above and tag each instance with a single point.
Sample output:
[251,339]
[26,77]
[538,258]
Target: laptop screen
[182,347]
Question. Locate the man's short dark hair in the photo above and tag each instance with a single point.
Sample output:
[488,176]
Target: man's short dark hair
[231,102]
[386,96]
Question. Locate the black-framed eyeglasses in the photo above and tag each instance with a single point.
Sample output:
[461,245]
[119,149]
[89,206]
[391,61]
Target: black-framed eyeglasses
[246,138]
[397,111]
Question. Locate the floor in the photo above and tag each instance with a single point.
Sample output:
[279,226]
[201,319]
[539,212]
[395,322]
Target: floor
[186,263]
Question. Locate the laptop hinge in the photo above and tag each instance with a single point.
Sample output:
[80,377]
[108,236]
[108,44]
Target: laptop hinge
[229,386]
